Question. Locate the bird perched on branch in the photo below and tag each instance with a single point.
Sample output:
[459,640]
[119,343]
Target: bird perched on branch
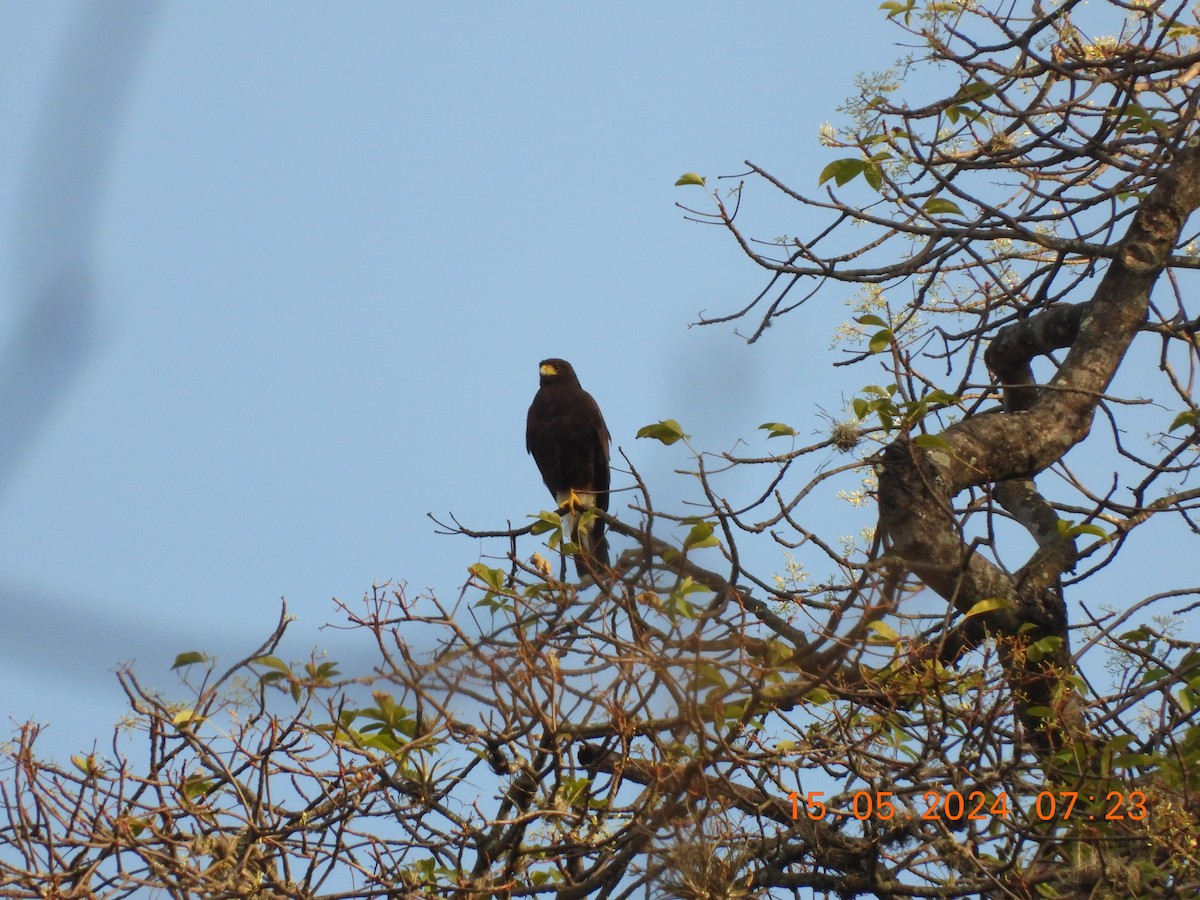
[568,439]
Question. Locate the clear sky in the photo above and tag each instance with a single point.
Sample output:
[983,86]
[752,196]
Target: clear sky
[321,249]
[312,254]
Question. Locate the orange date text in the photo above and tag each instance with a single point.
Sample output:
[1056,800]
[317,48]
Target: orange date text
[975,806]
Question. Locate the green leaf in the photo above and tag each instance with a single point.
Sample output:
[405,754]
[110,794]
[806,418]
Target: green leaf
[87,764]
[188,659]
[679,604]
[899,7]
[690,586]
[777,689]
[931,442]
[1130,760]
[667,431]
[186,717]
[708,675]
[1069,529]
[1179,30]
[941,205]
[322,673]
[970,113]
[880,340]
[728,712]
[493,578]
[973,91]
[1186,418]
[871,319]
[701,535]
[690,178]
[989,605]
[1118,743]
[272,662]
[546,521]
[777,429]
[1185,698]
[1040,649]
[573,790]
[842,170]
[586,518]
[777,652]
[197,786]
[940,398]
[1139,634]
[819,696]
[1141,120]
[873,173]
[1093,529]
[1154,673]
[885,632]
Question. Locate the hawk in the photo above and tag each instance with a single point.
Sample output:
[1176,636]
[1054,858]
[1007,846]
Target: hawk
[568,439]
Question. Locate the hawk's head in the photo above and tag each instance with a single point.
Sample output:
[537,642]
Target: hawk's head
[556,371]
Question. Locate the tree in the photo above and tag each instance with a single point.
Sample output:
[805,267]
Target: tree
[702,727]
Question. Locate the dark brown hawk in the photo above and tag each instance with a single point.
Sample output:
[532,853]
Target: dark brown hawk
[567,436]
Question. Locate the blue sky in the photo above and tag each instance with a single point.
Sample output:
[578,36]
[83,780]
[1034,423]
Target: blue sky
[326,246]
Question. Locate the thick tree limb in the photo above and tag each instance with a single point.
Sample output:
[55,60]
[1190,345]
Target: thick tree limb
[917,485]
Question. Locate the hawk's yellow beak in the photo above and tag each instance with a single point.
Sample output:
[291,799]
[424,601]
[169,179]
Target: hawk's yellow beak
[547,369]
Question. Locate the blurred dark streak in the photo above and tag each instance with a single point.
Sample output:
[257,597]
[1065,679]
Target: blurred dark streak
[73,647]
[56,218]
[46,633]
